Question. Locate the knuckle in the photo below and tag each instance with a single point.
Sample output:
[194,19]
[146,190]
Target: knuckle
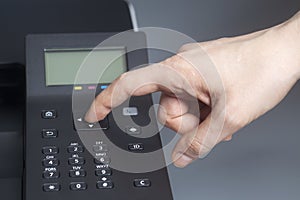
[122,84]
[122,77]
[195,148]
[165,119]
[103,99]
[169,62]
[176,63]
[162,116]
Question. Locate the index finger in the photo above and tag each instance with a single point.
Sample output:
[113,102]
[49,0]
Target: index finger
[134,83]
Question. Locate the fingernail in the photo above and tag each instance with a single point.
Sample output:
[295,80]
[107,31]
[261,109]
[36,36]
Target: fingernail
[182,161]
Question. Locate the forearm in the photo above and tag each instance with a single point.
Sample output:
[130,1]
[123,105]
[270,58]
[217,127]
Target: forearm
[293,29]
[288,35]
[295,24]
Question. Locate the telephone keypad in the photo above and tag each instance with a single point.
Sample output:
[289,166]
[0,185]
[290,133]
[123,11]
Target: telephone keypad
[76,161]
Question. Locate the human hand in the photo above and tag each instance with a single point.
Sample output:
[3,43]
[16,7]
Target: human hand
[233,80]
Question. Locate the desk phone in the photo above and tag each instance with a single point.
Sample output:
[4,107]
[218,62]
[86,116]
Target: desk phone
[67,158]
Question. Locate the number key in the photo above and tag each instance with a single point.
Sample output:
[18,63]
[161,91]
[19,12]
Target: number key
[76,161]
[103,172]
[78,186]
[50,175]
[51,150]
[75,149]
[77,173]
[50,162]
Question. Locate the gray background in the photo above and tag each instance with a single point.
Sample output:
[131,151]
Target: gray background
[262,161]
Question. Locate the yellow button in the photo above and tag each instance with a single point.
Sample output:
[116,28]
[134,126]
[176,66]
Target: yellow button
[78,88]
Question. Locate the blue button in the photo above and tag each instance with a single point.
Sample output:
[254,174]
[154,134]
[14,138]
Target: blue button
[103,87]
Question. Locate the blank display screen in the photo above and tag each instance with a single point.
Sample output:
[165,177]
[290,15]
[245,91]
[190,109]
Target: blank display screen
[84,66]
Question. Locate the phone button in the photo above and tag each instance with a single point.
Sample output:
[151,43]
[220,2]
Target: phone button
[50,162]
[77,173]
[102,160]
[142,182]
[130,111]
[49,114]
[51,187]
[50,150]
[133,130]
[78,186]
[76,161]
[100,148]
[105,185]
[75,149]
[50,175]
[49,133]
[103,172]
[136,147]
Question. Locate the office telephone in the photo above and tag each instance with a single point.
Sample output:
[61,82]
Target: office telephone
[68,158]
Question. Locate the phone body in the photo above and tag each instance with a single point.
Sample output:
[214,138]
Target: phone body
[67,158]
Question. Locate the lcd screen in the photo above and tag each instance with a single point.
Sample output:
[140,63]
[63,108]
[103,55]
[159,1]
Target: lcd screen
[84,66]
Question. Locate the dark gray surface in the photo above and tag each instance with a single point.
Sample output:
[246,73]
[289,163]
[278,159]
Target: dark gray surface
[19,18]
[262,161]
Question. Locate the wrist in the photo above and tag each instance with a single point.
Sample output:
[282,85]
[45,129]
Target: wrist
[286,45]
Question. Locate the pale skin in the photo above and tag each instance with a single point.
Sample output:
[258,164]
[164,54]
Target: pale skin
[256,71]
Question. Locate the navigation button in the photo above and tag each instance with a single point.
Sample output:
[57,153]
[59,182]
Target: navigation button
[103,178]
[133,130]
[81,124]
[130,111]
[51,187]
[142,182]
[49,114]
[49,133]
[91,125]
